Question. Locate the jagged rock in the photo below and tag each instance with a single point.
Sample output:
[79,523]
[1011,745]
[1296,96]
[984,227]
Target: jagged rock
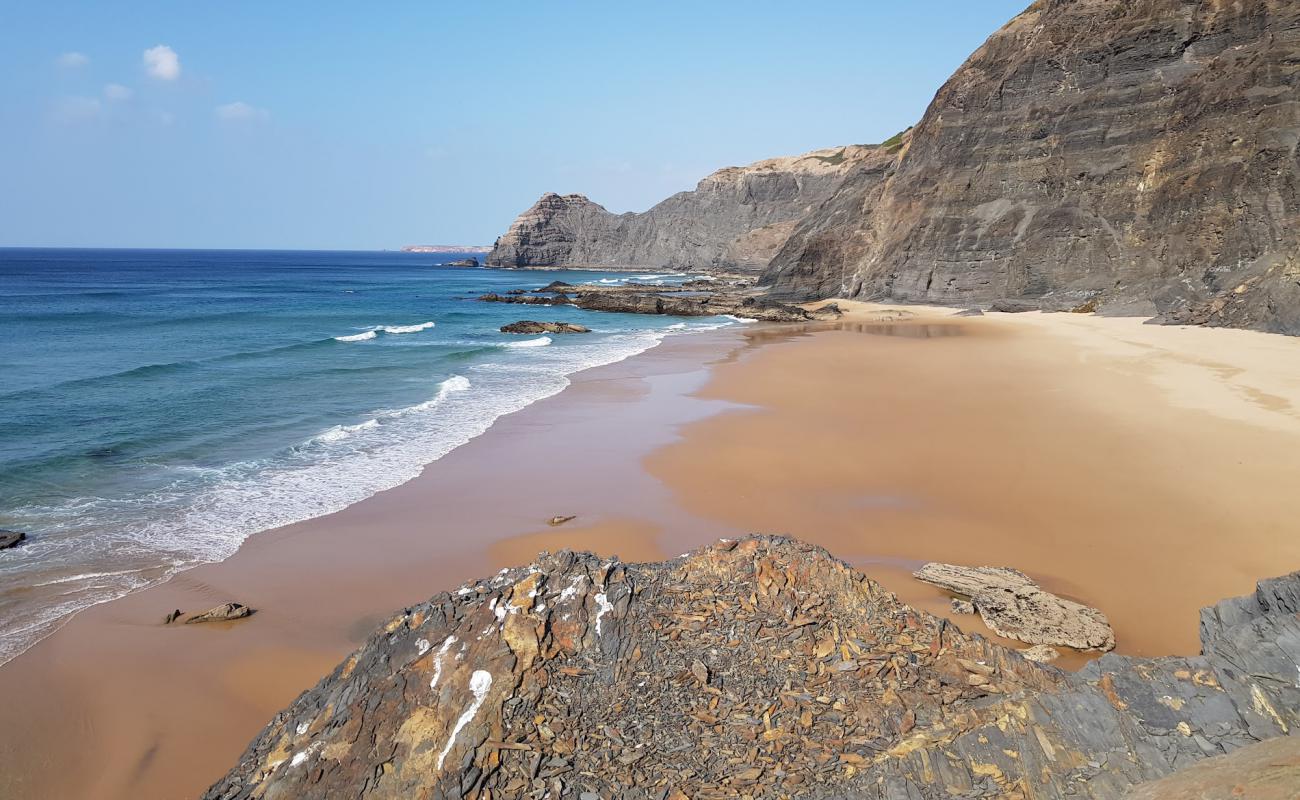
[10,539]
[763,667]
[529,326]
[463,262]
[222,613]
[172,617]
[739,305]
[1012,605]
[736,218]
[555,286]
[559,519]
[1105,151]
[969,312]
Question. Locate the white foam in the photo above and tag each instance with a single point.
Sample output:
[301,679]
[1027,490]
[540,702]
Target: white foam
[340,432]
[356,337]
[206,513]
[735,318]
[540,341]
[400,329]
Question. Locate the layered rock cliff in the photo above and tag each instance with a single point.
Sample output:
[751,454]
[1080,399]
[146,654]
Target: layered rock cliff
[1138,156]
[758,668]
[736,218]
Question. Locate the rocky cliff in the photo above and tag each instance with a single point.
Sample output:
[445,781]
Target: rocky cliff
[759,668]
[1137,156]
[736,218]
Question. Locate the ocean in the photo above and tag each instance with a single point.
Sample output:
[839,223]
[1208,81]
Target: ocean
[158,407]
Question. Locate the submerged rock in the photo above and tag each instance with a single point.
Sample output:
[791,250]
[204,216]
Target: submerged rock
[222,613]
[529,326]
[762,668]
[1012,605]
[10,539]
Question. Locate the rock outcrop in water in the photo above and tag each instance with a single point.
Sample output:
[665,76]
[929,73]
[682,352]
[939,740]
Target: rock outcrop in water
[1135,157]
[736,218]
[759,668]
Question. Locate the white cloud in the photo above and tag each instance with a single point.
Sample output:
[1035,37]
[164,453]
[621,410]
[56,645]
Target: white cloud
[239,111]
[72,60]
[161,62]
[116,91]
[77,109]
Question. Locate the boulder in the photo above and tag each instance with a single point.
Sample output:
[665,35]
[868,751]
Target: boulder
[225,612]
[559,520]
[1012,605]
[10,539]
[172,617]
[531,327]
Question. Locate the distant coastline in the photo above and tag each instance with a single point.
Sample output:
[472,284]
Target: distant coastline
[445,248]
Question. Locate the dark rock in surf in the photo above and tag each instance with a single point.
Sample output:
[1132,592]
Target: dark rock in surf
[10,539]
[529,326]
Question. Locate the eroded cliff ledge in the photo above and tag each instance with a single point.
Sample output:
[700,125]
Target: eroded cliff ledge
[1139,157]
[758,668]
[736,218]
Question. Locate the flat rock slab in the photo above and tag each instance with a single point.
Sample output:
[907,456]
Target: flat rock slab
[1269,770]
[1012,605]
[10,539]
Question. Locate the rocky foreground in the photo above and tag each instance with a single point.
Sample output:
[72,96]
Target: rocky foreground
[763,668]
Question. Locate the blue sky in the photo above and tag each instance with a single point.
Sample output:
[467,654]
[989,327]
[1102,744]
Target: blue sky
[312,124]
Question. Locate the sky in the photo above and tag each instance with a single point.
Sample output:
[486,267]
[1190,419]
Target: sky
[322,124]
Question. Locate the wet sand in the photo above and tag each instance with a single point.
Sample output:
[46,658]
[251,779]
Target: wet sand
[1144,470]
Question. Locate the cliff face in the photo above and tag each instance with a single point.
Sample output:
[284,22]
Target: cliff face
[760,668]
[736,218]
[1137,153]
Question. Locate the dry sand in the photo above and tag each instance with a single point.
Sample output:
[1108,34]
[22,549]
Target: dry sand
[1144,470]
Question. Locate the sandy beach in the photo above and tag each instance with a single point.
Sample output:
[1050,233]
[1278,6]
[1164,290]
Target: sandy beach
[1145,470]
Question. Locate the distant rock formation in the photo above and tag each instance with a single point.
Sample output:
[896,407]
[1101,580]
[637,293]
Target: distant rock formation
[736,218]
[1137,157]
[760,668]
[445,248]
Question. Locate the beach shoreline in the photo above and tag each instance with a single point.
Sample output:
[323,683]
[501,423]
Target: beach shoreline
[892,437]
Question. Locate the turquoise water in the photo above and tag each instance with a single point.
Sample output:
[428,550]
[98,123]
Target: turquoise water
[158,407]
